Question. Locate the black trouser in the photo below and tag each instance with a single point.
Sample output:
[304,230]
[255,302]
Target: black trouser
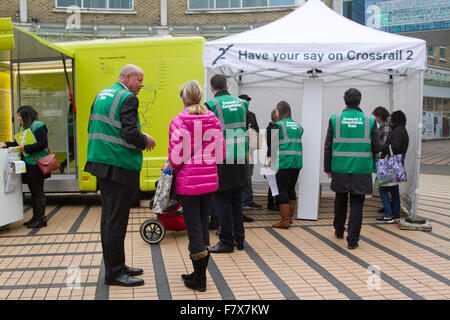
[116,203]
[286,180]
[37,198]
[356,215]
[228,208]
[196,211]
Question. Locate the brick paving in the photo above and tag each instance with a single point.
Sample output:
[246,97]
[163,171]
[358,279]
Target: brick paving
[305,262]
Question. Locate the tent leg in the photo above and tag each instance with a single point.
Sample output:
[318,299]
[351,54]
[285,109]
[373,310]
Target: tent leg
[309,180]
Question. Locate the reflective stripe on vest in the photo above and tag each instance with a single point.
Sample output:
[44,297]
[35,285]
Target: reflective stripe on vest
[110,121]
[285,135]
[290,152]
[111,139]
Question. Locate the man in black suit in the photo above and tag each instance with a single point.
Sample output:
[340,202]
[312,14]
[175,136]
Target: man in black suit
[115,157]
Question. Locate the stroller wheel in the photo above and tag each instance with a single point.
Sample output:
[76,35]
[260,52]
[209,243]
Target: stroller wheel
[152,231]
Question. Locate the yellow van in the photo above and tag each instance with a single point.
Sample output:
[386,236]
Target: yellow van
[50,76]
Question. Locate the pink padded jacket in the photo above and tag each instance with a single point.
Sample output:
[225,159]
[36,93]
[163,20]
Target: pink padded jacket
[199,173]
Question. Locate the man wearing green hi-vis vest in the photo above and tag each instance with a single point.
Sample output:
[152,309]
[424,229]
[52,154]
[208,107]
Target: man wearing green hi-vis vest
[115,144]
[351,143]
[232,114]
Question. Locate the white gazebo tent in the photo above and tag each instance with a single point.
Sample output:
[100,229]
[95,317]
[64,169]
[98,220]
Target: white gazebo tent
[309,58]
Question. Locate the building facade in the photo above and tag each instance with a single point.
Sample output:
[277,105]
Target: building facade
[66,20]
[426,19]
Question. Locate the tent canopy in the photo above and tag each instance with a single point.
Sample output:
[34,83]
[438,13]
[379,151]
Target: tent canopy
[309,58]
[314,36]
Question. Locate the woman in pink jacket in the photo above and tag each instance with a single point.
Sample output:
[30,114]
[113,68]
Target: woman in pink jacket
[196,144]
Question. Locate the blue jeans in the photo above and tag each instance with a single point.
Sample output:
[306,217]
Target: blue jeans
[247,191]
[394,210]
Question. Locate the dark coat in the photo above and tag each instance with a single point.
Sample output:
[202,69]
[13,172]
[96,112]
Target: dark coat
[132,135]
[398,139]
[34,174]
[231,176]
[343,182]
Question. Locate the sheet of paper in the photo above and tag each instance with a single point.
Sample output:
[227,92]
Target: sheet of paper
[20,167]
[269,173]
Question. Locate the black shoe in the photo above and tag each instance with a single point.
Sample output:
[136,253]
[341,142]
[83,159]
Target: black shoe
[32,220]
[352,246]
[251,206]
[381,210]
[384,220]
[339,235]
[273,208]
[247,219]
[125,280]
[132,271]
[222,248]
[38,223]
[239,246]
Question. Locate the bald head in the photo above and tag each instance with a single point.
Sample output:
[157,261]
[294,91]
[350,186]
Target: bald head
[132,76]
[129,69]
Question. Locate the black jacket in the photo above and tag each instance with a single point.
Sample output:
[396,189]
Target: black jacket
[398,139]
[231,176]
[132,135]
[34,174]
[343,182]
[271,126]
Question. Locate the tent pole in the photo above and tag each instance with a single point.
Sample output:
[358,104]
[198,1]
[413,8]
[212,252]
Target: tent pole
[205,84]
[413,211]
[391,91]
[309,179]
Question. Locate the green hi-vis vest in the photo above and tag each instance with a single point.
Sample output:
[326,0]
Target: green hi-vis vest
[290,144]
[232,114]
[105,142]
[38,155]
[352,148]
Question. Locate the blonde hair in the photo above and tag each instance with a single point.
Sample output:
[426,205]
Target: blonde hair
[191,93]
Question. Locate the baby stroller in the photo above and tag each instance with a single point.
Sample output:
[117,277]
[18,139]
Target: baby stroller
[153,230]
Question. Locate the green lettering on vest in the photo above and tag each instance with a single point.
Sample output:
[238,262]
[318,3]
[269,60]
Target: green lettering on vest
[352,147]
[290,145]
[232,115]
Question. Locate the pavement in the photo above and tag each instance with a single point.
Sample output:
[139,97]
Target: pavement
[64,260]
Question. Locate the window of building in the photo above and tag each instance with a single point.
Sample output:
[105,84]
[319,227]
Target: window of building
[442,53]
[430,52]
[96,4]
[237,4]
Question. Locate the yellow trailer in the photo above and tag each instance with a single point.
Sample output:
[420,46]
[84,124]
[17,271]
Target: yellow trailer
[40,74]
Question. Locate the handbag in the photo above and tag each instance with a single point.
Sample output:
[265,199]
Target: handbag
[48,163]
[391,170]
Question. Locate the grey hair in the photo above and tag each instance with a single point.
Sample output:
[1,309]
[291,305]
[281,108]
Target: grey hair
[129,69]
[273,115]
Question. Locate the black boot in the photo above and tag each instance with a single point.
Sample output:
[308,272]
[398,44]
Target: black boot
[197,280]
[40,220]
[32,220]
[38,223]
